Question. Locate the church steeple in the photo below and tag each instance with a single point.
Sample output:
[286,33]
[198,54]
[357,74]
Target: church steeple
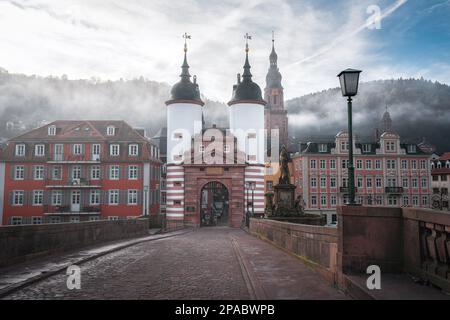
[387,121]
[273,78]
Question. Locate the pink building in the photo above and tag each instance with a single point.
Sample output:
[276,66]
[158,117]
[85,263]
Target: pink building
[387,173]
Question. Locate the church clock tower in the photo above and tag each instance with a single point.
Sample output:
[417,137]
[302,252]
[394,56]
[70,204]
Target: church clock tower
[275,115]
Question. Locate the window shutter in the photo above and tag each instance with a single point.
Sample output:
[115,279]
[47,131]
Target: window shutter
[11,198]
[140,196]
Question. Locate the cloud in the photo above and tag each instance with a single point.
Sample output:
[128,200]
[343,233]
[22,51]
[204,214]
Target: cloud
[126,39]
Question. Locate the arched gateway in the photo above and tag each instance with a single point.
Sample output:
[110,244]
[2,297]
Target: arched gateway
[214,204]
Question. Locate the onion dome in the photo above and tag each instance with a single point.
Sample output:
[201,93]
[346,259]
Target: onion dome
[185,90]
[246,91]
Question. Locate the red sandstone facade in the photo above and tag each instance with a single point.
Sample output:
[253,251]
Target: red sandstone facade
[70,171]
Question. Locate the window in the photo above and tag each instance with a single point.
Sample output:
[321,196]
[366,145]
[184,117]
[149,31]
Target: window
[178,202]
[390,146]
[18,198]
[323,200]
[94,218]
[359,182]
[345,182]
[424,201]
[114,150]
[369,182]
[391,182]
[74,219]
[113,197]
[52,130]
[332,164]
[404,164]
[390,164]
[333,200]
[56,173]
[405,183]
[95,172]
[411,148]
[323,182]
[269,185]
[110,130]
[57,197]
[114,172]
[133,150]
[423,164]
[36,220]
[132,197]
[55,220]
[378,183]
[313,164]
[378,164]
[38,197]
[405,201]
[133,172]
[77,149]
[414,164]
[358,164]
[322,164]
[38,173]
[20,150]
[19,172]
[39,150]
[344,146]
[113,218]
[345,164]
[313,201]
[367,148]
[333,182]
[415,201]
[94,197]
[322,147]
[392,200]
[15,221]
[379,200]
[76,172]
[313,182]
[368,164]
[415,183]
[424,183]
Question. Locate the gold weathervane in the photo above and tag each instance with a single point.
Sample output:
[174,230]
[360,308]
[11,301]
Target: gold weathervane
[186,36]
[247,37]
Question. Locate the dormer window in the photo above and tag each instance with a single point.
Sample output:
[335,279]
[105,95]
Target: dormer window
[110,130]
[322,147]
[52,130]
[412,148]
[367,148]
[344,146]
[390,146]
[447,164]
[20,150]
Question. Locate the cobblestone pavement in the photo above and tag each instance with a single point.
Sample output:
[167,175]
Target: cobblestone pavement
[202,264]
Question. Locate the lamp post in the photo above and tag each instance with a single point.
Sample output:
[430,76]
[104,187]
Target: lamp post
[247,213]
[252,187]
[349,80]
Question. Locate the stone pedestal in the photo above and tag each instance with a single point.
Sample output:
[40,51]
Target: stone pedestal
[285,196]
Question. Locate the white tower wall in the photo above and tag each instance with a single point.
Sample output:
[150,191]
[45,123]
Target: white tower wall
[247,124]
[184,119]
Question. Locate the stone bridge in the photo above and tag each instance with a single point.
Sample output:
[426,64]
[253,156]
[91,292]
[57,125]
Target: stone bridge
[272,260]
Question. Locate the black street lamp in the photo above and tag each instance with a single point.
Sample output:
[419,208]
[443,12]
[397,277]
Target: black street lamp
[349,80]
[247,213]
[252,187]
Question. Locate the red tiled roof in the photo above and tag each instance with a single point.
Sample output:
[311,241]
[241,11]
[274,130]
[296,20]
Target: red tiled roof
[445,156]
[85,130]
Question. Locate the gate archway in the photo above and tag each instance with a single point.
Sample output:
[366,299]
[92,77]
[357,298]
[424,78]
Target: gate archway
[214,204]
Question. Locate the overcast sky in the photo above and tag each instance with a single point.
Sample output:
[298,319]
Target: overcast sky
[315,39]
